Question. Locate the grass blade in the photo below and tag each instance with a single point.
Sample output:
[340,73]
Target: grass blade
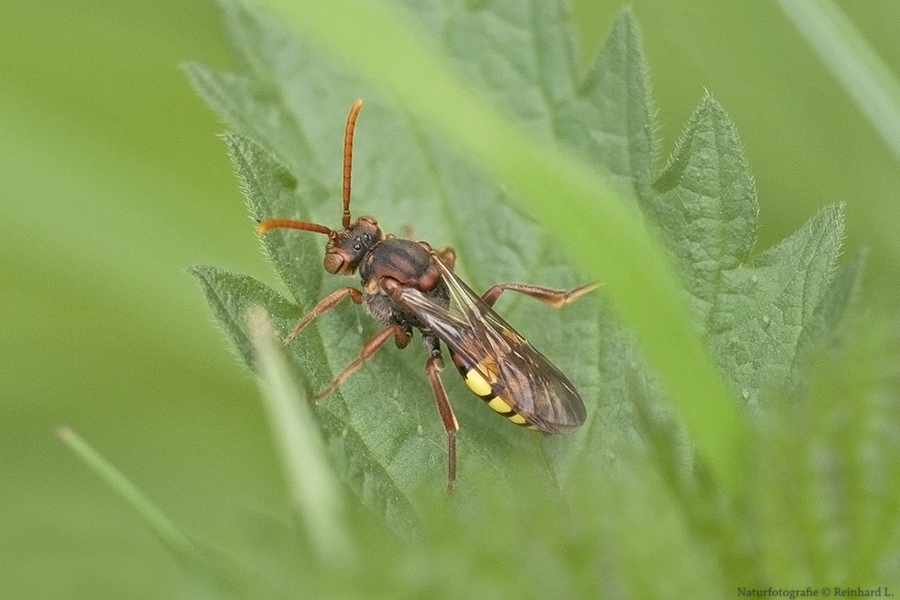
[315,492]
[853,61]
[165,530]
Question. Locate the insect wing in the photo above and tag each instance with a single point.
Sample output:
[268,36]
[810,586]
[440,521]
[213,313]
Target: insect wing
[517,373]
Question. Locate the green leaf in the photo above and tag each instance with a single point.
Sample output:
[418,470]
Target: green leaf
[230,296]
[271,189]
[387,443]
[757,311]
[570,198]
[428,179]
[824,325]
[252,110]
[609,119]
[705,206]
[381,425]
[757,327]
[633,491]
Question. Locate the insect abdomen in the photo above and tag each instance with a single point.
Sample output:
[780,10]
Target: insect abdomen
[482,388]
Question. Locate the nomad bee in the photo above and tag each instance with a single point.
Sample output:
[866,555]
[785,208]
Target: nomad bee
[409,285]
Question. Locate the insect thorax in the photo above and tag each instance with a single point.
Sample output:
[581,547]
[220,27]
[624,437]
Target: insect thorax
[405,263]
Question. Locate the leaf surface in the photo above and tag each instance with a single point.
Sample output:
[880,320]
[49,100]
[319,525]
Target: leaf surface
[287,105]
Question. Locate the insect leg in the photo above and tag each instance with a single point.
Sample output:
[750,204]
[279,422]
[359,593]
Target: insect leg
[324,305]
[433,369]
[365,353]
[447,256]
[555,298]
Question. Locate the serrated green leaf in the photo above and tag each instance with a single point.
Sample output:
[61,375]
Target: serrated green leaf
[756,327]
[568,196]
[516,52]
[703,205]
[270,189]
[432,174]
[253,110]
[763,316]
[383,454]
[826,320]
[757,312]
[609,119]
[428,174]
[230,296]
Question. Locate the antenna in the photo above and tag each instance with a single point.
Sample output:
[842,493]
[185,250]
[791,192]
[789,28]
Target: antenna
[268,224]
[348,159]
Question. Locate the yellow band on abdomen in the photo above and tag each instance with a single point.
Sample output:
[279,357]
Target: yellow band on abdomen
[481,388]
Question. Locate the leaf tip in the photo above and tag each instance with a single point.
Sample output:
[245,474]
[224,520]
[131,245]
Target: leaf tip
[625,17]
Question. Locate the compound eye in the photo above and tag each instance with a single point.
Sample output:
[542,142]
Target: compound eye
[333,262]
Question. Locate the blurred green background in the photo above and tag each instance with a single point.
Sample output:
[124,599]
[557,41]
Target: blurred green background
[112,182]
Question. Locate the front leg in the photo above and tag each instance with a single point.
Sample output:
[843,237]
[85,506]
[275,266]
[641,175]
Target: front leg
[324,305]
[366,352]
[447,255]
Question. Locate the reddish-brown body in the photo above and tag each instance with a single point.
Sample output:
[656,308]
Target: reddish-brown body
[407,286]
[393,264]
